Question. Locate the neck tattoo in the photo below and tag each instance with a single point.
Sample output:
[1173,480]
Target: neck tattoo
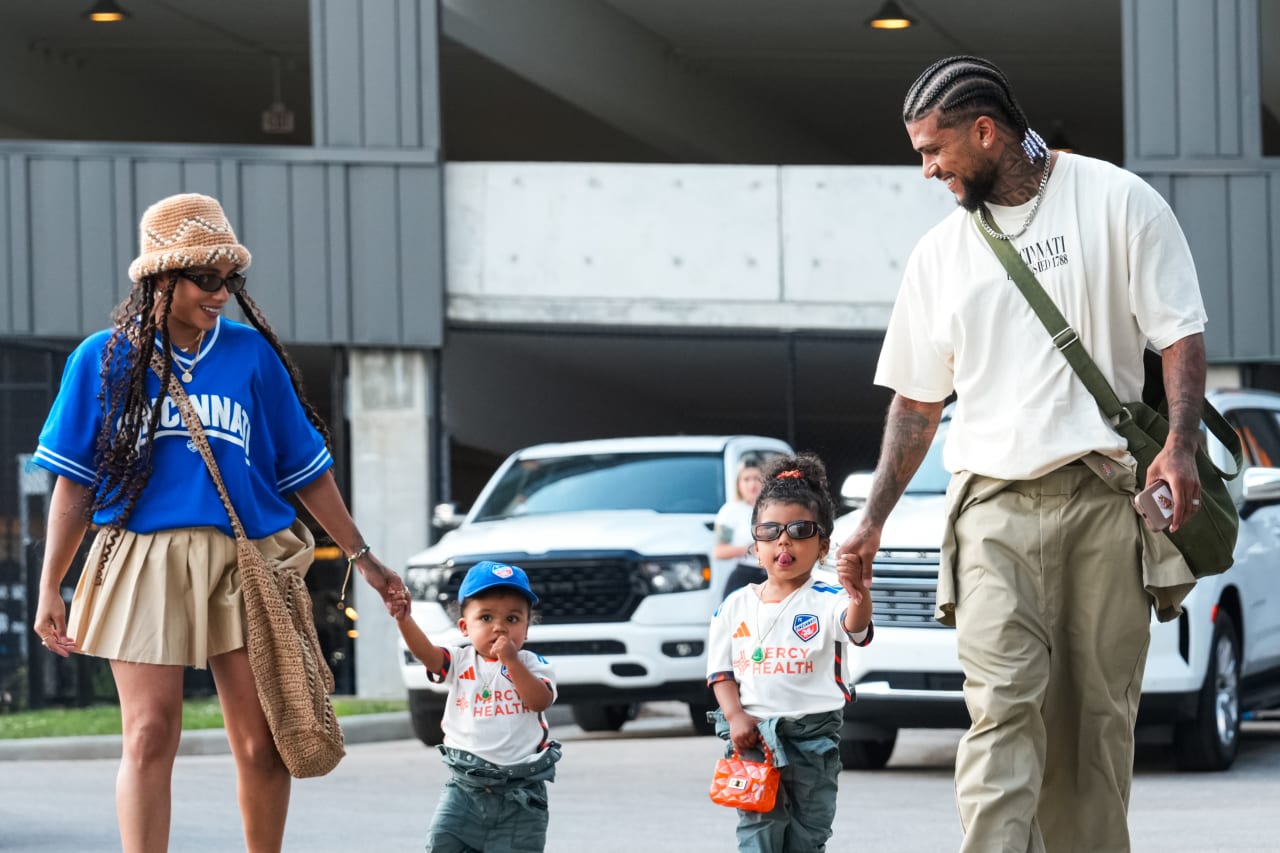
[1031,214]
[186,371]
[758,654]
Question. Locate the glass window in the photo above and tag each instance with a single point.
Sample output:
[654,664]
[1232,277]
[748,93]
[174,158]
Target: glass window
[1269,54]
[659,482]
[1259,436]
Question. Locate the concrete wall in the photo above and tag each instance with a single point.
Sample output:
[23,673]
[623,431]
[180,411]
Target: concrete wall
[680,246]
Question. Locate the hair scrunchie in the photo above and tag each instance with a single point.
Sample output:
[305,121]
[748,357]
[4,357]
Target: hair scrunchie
[793,474]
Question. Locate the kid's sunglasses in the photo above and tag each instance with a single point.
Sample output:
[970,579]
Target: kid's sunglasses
[767,531]
[212,283]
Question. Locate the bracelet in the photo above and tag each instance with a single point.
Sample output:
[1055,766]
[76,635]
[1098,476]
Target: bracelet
[342,596]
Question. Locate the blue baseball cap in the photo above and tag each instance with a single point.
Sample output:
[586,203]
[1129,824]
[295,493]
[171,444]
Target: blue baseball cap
[487,574]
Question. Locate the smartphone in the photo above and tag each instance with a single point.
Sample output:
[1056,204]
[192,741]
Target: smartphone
[1155,505]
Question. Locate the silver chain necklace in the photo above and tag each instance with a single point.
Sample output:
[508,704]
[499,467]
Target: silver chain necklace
[1031,214]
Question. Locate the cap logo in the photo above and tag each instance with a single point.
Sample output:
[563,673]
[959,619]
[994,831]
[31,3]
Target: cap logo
[503,571]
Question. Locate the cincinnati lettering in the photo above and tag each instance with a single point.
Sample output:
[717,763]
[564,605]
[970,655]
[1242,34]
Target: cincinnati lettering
[1046,254]
[222,418]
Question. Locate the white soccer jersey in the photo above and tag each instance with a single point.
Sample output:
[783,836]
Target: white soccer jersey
[484,714]
[787,657]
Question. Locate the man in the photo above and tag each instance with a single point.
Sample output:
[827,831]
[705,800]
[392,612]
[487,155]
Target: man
[1042,568]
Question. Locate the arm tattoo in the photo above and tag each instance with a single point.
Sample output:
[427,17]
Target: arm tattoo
[908,430]
[1184,370]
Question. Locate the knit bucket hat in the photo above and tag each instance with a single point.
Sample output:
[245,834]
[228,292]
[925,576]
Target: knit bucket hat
[182,231]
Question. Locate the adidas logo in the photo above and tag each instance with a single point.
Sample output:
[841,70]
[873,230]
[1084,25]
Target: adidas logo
[470,673]
[743,630]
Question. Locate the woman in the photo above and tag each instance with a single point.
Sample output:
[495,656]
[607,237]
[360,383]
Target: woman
[733,527]
[160,590]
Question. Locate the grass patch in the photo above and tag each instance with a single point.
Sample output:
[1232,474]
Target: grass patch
[196,714]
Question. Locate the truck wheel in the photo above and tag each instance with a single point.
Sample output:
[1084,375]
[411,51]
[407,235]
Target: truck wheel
[866,754]
[698,715]
[426,709]
[1211,740]
[603,718]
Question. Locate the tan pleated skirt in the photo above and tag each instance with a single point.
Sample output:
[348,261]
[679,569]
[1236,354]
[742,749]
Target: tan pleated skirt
[170,597]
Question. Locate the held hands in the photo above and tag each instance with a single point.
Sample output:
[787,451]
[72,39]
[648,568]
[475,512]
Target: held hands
[849,573]
[51,624]
[742,731]
[395,596]
[1177,467]
[854,559]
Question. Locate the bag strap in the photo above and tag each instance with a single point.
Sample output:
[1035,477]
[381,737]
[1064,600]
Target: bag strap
[1068,342]
[196,429]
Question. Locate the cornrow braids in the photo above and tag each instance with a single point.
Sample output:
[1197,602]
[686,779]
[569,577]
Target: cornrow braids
[961,88]
[259,322]
[800,480]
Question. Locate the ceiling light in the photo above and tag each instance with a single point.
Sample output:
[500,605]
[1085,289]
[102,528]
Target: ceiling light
[890,17]
[105,12]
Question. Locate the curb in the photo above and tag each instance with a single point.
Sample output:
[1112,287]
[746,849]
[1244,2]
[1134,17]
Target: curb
[360,728]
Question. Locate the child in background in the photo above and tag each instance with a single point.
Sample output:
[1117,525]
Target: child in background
[776,658]
[496,740]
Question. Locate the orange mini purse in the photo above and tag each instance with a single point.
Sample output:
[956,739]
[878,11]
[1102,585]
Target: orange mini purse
[744,784]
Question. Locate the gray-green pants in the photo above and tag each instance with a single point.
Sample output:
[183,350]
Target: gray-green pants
[490,808]
[1052,624]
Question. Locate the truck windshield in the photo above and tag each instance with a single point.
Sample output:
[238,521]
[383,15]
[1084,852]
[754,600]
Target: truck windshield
[661,482]
[931,478]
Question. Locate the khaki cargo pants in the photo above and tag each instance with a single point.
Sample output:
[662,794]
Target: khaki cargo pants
[1052,624]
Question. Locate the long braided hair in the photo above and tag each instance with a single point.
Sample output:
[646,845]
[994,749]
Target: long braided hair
[800,480]
[123,455]
[961,88]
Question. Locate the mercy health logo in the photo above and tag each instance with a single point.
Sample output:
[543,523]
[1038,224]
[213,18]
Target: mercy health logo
[805,626]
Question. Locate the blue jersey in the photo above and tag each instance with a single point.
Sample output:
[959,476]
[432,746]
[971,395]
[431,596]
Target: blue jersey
[258,430]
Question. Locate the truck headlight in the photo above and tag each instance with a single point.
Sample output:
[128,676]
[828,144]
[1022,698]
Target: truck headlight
[677,574]
[428,583]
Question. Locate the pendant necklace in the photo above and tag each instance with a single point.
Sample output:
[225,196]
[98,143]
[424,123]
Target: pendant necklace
[186,371]
[758,654]
[485,692]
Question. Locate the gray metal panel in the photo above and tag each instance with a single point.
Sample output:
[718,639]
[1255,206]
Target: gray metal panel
[1227,96]
[312,309]
[19,245]
[1154,66]
[375,254]
[1251,294]
[422,297]
[380,82]
[1197,78]
[55,242]
[413,49]
[200,176]
[101,273]
[1200,202]
[1250,78]
[1273,259]
[339,270]
[8,284]
[338,59]
[154,180]
[264,228]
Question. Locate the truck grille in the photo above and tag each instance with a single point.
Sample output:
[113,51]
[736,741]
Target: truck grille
[905,588]
[607,589]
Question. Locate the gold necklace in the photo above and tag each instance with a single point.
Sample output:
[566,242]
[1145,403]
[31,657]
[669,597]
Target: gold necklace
[758,654]
[186,371]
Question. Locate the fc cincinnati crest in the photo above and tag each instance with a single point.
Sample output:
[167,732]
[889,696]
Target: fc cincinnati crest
[805,625]
[503,571]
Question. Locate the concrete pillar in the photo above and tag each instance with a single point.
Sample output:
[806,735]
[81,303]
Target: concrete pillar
[389,419]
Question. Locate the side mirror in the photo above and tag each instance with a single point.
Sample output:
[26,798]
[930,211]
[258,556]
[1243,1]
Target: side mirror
[446,517]
[1261,486]
[856,489]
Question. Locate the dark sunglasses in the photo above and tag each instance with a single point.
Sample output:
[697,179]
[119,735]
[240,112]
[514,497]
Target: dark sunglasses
[768,531]
[212,283]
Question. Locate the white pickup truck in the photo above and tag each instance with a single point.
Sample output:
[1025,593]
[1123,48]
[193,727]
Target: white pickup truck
[616,538]
[1219,660]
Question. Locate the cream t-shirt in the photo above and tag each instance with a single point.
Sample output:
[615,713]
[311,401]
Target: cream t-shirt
[1107,249]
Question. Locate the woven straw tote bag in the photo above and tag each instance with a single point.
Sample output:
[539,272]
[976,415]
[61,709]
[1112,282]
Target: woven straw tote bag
[292,677]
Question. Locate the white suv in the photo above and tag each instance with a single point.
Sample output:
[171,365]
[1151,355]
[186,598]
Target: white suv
[1220,659]
[615,536]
